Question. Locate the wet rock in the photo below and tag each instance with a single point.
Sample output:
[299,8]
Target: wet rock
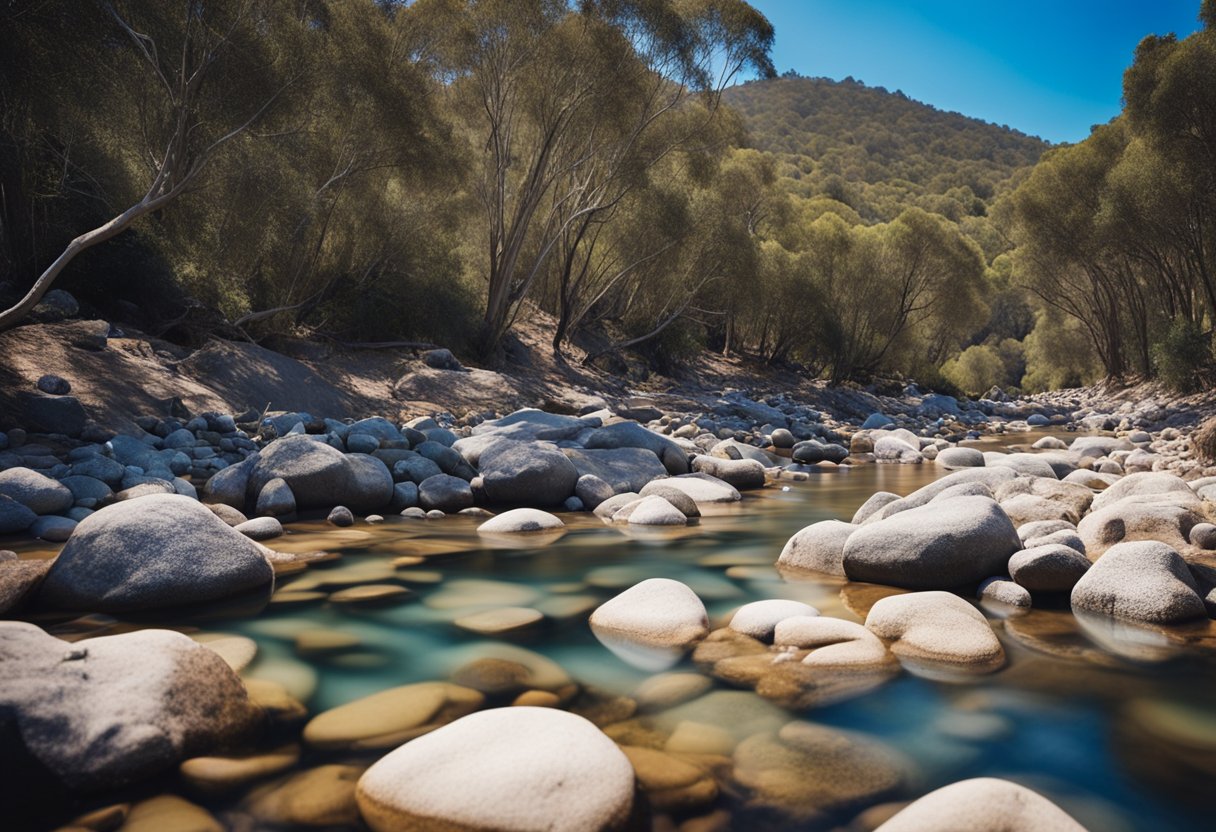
[833,642]
[574,777]
[811,772]
[759,618]
[938,628]
[93,723]
[819,547]
[154,552]
[521,520]
[982,803]
[671,784]
[371,595]
[319,797]
[1144,581]
[669,689]
[944,544]
[652,623]
[444,492]
[391,717]
[39,493]
[169,813]
[1052,567]
[500,621]
[217,775]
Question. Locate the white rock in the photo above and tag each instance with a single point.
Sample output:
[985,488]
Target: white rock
[511,769]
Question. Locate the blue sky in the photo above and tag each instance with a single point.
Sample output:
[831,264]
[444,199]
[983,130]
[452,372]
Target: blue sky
[1050,68]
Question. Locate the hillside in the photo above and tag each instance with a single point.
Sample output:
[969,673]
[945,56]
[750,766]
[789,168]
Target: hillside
[880,151]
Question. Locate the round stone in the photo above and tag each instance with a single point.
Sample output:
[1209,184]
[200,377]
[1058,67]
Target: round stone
[533,768]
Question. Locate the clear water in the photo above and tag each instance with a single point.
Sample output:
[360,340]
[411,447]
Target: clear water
[1117,727]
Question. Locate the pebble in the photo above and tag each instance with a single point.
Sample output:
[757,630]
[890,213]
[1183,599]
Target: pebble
[500,620]
[371,595]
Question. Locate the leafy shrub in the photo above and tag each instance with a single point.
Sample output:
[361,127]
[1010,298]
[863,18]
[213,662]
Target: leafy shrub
[976,369]
[1182,356]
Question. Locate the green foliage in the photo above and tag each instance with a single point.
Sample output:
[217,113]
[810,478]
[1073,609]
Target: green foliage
[975,369]
[1182,356]
[880,152]
[1058,353]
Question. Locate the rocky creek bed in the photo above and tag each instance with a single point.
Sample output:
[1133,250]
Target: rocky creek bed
[752,616]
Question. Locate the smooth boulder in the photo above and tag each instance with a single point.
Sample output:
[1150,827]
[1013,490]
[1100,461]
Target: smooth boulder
[947,543]
[95,723]
[512,769]
[1145,581]
[153,552]
[982,803]
[527,473]
[938,628]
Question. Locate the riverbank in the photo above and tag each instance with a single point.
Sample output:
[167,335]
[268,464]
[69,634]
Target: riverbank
[241,618]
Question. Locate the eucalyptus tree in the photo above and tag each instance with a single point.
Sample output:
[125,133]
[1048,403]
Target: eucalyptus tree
[565,105]
[157,90]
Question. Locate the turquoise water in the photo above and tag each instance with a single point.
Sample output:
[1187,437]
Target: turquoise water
[1117,729]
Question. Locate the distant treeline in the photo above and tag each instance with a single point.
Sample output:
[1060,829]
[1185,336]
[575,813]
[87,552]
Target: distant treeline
[430,171]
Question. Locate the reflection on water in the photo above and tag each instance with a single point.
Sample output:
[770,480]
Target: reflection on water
[1080,713]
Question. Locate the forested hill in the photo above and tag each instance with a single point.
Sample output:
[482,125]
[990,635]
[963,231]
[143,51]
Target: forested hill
[880,151]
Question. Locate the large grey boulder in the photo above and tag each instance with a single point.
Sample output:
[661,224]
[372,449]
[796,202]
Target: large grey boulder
[317,473]
[949,543]
[321,476]
[1075,499]
[37,492]
[445,493]
[705,489]
[230,485]
[625,469]
[819,547]
[527,473]
[153,552]
[371,484]
[633,435]
[530,423]
[1145,581]
[113,710]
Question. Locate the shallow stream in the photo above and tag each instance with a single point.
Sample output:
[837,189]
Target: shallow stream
[1116,726]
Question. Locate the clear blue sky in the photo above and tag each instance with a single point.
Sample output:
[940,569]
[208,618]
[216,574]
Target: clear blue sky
[1050,68]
